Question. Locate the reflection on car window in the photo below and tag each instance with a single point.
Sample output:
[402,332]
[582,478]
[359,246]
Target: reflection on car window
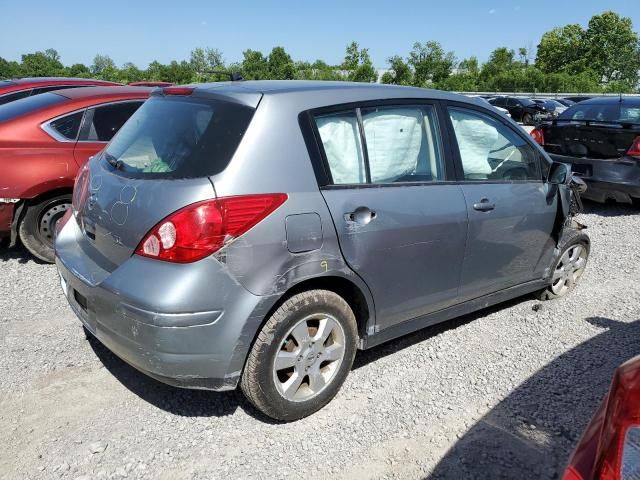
[490,150]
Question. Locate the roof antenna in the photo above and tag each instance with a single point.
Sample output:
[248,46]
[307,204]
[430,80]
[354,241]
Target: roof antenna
[233,76]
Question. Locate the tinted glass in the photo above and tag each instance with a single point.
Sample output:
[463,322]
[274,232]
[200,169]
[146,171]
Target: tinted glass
[6,83]
[107,120]
[29,105]
[489,150]
[52,88]
[341,142]
[10,97]
[68,126]
[180,137]
[603,112]
[402,144]
[525,101]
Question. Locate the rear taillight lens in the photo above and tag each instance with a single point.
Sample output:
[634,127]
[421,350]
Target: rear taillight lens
[538,136]
[634,151]
[80,189]
[619,449]
[202,228]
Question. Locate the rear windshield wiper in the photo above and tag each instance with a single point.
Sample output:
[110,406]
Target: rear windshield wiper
[117,164]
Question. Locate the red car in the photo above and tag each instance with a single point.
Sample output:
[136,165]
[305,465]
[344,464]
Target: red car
[44,139]
[150,84]
[610,445]
[11,90]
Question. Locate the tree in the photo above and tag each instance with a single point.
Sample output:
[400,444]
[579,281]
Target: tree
[280,65]
[469,66]
[254,65]
[205,61]
[41,64]
[357,64]
[78,70]
[500,61]
[562,50]
[612,48]
[399,72]
[104,68]
[130,73]
[430,63]
[9,69]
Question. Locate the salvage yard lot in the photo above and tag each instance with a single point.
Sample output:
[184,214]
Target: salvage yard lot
[503,392]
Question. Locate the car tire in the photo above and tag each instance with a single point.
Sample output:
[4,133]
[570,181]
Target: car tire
[286,376]
[37,227]
[568,264]
[527,119]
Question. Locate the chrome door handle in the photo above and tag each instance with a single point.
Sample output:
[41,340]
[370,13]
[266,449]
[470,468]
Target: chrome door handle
[484,205]
[361,215]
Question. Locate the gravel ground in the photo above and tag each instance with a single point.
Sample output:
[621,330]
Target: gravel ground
[501,393]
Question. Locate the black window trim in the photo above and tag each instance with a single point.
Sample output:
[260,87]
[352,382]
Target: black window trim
[319,160]
[84,126]
[513,127]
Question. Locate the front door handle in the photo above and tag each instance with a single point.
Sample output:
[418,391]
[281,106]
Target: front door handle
[361,215]
[484,205]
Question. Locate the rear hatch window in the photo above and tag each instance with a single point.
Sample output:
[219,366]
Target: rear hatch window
[179,137]
[28,105]
[614,112]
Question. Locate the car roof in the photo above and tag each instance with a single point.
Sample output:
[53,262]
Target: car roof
[38,81]
[311,94]
[633,101]
[101,92]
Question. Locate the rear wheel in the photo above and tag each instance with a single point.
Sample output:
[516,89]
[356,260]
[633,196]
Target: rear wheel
[569,265]
[302,356]
[38,225]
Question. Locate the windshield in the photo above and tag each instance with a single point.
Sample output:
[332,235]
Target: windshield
[603,112]
[179,137]
[526,101]
[27,105]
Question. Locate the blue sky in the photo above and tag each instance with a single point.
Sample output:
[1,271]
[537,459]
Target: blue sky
[141,31]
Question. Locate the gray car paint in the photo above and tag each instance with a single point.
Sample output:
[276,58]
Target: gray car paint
[192,325]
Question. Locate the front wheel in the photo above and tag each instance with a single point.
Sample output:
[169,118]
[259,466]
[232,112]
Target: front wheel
[302,356]
[569,265]
[37,228]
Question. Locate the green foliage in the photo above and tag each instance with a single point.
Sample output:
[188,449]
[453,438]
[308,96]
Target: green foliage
[430,63]
[399,72]
[41,64]
[358,65]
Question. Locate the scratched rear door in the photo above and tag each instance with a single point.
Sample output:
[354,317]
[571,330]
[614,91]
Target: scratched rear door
[402,227]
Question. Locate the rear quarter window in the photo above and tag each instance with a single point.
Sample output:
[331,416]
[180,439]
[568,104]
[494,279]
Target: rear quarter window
[28,105]
[180,137]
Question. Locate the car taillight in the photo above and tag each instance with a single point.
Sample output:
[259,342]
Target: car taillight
[177,90]
[80,189]
[634,151]
[538,136]
[200,229]
[619,449]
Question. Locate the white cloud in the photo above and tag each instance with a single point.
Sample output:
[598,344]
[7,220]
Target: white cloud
[492,11]
[203,23]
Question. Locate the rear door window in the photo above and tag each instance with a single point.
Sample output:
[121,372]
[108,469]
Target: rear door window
[489,150]
[103,122]
[180,137]
[401,145]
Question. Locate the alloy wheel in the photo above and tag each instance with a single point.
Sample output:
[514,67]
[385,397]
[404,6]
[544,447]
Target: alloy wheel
[309,357]
[569,268]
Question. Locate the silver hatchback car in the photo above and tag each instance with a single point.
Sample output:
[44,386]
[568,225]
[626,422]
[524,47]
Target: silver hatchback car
[259,233]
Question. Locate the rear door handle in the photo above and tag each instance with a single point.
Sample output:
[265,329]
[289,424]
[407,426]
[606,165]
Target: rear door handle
[484,205]
[361,215]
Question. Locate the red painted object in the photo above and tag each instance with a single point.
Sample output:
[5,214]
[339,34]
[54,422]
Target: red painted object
[609,447]
[150,84]
[11,90]
[44,140]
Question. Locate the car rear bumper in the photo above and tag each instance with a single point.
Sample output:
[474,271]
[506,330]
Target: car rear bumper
[617,180]
[201,348]
[6,217]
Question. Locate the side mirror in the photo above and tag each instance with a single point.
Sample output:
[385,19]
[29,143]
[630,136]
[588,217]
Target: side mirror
[559,173]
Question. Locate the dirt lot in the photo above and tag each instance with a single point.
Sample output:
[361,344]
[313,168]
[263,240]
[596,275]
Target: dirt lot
[501,393]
